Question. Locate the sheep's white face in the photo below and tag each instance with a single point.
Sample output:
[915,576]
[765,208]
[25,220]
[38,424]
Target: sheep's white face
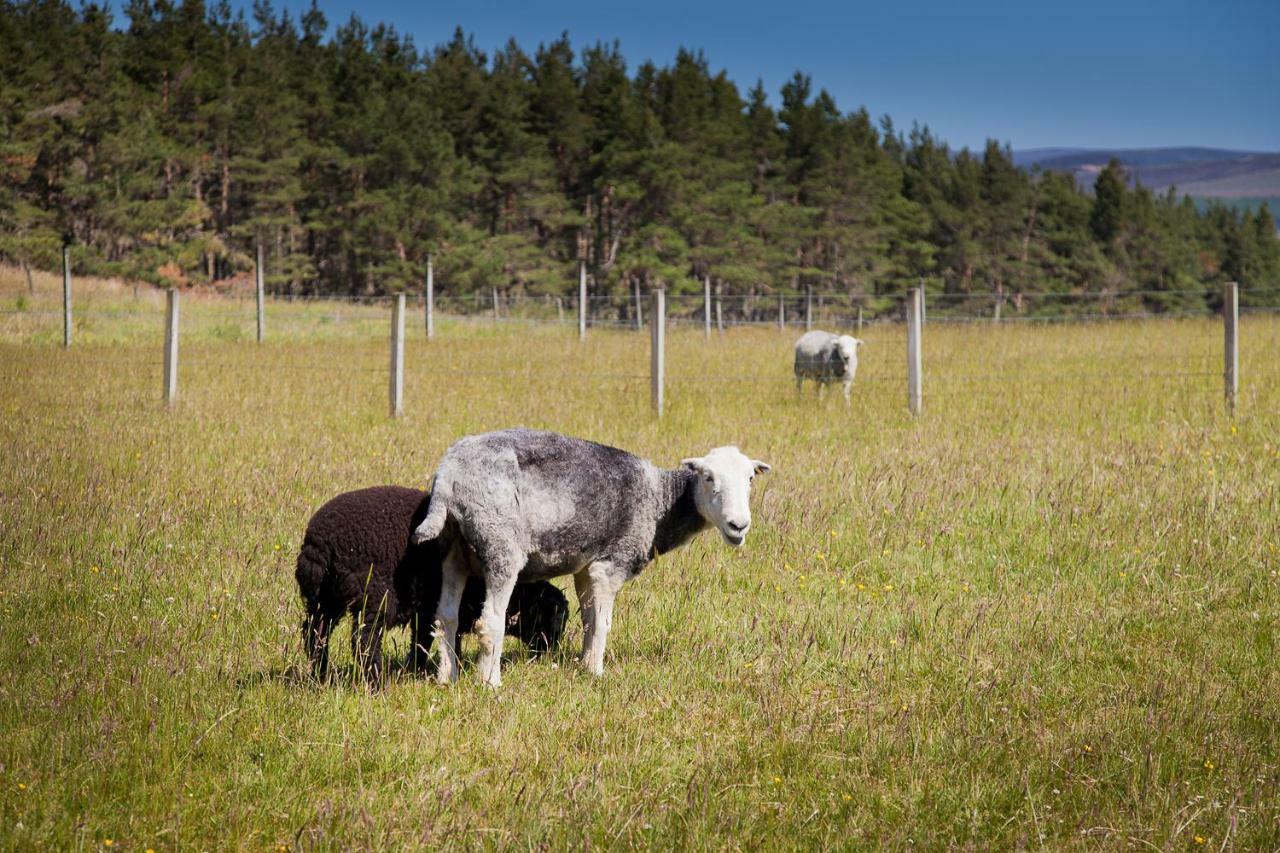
[847,345]
[723,493]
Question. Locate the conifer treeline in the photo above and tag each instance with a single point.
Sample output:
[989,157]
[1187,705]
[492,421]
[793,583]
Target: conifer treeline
[164,149]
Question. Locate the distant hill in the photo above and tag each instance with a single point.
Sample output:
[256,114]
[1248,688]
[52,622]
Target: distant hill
[1198,172]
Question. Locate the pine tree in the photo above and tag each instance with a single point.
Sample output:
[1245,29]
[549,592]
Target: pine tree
[1107,216]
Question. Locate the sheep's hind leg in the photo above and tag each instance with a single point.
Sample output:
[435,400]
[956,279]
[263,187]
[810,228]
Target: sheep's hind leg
[600,584]
[587,606]
[452,582]
[491,626]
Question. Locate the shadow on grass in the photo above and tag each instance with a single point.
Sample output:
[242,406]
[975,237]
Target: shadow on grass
[395,670]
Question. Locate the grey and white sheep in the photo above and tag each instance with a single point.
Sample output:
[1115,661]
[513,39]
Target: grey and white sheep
[356,558]
[522,505]
[825,358]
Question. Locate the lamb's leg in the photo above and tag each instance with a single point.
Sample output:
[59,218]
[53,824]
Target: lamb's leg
[366,646]
[317,625]
[420,636]
[452,582]
[491,626]
[603,583]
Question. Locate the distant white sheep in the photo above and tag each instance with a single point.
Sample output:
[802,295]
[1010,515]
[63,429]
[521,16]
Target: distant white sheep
[825,358]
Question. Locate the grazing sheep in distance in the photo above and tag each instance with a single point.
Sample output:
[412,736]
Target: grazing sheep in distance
[522,505]
[824,357]
[356,558]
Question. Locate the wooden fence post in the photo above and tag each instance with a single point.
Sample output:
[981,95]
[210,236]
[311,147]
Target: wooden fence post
[431,299]
[66,296]
[657,350]
[639,309]
[719,313]
[914,396]
[495,304]
[582,299]
[706,304]
[397,356]
[859,319]
[782,313]
[1231,348]
[260,293]
[171,346]
[923,304]
[808,309]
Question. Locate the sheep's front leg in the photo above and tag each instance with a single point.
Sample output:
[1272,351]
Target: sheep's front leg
[848,384]
[491,626]
[600,583]
[452,582]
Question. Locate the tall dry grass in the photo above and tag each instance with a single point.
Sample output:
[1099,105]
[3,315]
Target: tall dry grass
[1043,613]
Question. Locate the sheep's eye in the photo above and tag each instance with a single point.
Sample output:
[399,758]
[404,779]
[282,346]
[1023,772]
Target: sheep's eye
[709,478]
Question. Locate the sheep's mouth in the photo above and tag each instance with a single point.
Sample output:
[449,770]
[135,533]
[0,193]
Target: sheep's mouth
[734,539]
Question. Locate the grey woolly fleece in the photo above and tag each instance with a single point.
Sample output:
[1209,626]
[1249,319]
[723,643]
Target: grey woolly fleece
[561,502]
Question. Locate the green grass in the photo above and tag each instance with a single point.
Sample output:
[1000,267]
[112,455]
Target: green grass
[1043,613]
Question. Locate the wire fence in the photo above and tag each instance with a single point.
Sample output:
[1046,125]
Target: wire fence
[365,318]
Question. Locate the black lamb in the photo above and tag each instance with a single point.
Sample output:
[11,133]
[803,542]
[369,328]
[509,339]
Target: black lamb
[356,558]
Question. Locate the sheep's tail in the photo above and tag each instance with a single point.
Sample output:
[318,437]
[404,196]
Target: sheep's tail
[433,524]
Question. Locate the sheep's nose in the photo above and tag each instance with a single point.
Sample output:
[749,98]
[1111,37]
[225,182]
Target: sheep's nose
[738,528]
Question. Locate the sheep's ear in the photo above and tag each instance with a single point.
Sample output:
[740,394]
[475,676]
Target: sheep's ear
[860,341]
[761,467]
[695,463]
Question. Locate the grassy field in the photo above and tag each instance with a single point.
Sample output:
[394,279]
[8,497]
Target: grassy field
[1044,613]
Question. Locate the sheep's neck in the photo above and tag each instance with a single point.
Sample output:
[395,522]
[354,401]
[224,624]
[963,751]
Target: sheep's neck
[678,517]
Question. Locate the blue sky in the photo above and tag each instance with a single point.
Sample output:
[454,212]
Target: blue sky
[1089,74]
